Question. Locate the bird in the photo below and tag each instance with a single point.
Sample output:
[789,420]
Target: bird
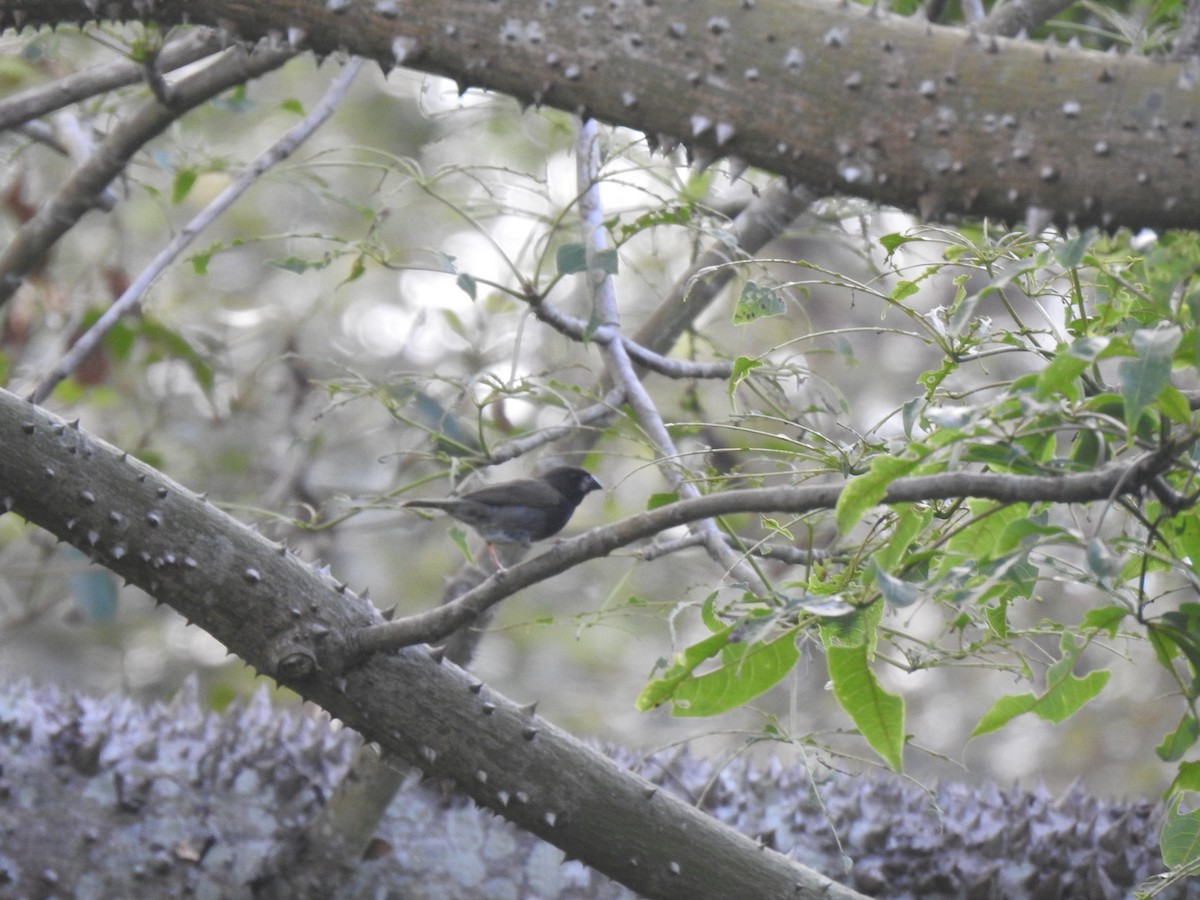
[520,511]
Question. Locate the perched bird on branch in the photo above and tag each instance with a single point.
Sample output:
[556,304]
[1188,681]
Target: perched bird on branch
[521,511]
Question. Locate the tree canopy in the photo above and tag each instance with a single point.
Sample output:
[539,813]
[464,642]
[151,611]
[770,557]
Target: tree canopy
[878,328]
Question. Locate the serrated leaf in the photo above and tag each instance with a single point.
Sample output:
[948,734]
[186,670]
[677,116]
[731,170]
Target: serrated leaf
[904,289]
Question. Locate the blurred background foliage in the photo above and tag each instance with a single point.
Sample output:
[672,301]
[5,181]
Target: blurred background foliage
[353,334]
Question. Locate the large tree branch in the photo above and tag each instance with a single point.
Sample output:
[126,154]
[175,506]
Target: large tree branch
[938,120]
[281,614]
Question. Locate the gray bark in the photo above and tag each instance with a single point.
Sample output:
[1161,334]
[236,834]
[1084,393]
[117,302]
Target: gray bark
[292,621]
[940,121]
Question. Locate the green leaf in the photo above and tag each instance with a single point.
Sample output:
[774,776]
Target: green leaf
[163,342]
[1186,779]
[1179,839]
[1060,377]
[467,285]
[856,630]
[904,290]
[671,215]
[911,521]
[1105,618]
[1143,378]
[878,715]
[657,500]
[1174,405]
[357,268]
[662,689]
[893,242]
[572,258]
[182,184]
[201,259]
[1071,251]
[865,491]
[986,535]
[742,366]
[1064,696]
[896,591]
[460,541]
[756,302]
[749,671]
[1179,741]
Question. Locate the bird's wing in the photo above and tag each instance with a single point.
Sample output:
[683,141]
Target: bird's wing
[523,492]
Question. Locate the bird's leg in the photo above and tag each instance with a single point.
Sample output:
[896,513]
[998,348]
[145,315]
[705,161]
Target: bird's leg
[500,567]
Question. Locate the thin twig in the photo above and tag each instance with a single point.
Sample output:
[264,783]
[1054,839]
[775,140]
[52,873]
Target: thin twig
[79,194]
[602,409]
[618,363]
[62,92]
[276,153]
[1100,486]
[573,327]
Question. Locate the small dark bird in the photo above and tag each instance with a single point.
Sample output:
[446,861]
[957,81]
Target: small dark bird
[521,511]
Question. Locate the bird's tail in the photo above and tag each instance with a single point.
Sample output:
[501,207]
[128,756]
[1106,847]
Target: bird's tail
[427,504]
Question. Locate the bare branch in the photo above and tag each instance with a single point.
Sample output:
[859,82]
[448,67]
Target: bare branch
[277,152]
[61,92]
[617,361]
[643,356]
[80,192]
[596,412]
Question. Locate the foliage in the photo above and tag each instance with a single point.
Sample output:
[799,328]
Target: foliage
[380,317]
